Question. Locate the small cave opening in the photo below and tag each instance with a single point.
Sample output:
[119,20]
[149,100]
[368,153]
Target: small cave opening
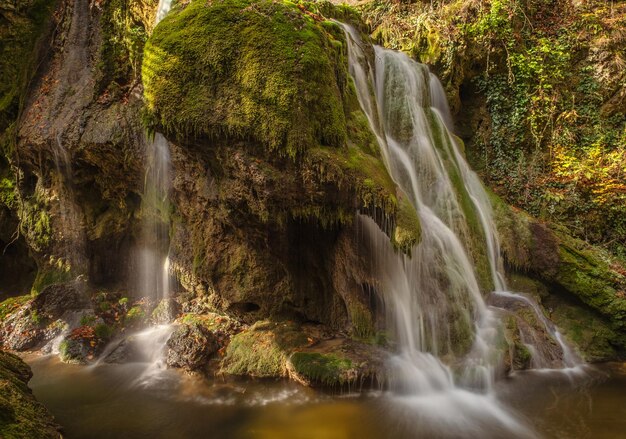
[244,307]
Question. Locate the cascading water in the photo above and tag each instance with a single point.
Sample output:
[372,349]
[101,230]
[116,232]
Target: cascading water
[162,10]
[434,297]
[153,279]
[69,225]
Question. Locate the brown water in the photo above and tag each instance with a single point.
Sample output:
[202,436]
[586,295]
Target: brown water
[114,401]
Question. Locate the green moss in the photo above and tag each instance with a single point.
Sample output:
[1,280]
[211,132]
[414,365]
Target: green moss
[21,416]
[262,350]
[63,349]
[8,196]
[246,69]
[20,28]
[87,320]
[49,276]
[361,321]
[594,338]
[326,369]
[103,331]
[12,304]
[134,315]
[124,27]
[408,229]
[584,273]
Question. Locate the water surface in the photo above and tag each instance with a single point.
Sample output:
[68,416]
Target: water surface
[121,401]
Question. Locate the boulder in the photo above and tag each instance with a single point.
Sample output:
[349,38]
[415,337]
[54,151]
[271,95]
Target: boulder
[190,347]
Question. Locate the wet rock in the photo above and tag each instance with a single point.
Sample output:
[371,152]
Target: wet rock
[74,350]
[21,415]
[165,312]
[191,346]
[126,351]
[38,322]
[83,344]
[55,300]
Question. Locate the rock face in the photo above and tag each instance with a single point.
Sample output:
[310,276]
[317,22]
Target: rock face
[265,189]
[21,416]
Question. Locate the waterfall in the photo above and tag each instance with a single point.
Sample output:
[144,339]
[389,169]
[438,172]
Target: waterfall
[162,10]
[70,226]
[153,279]
[434,297]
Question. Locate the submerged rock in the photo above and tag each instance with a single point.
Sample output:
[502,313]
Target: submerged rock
[21,415]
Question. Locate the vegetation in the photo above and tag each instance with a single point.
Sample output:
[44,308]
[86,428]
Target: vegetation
[242,69]
[277,78]
[262,350]
[327,369]
[542,86]
[12,304]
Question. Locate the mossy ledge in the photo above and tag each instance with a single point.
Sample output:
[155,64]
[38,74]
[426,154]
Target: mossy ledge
[21,415]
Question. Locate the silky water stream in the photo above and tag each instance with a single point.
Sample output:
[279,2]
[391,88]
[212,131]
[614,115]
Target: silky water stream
[445,377]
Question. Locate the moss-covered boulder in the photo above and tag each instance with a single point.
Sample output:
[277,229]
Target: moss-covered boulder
[247,69]
[262,351]
[272,154]
[21,415]
[325,369]
[306,354]
[339,364]
[578,274]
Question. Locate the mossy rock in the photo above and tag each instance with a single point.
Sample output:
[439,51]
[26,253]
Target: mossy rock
[21,416]
[569,266]
[326,369]
[408,229]
[262,351]
[12,304]
[262,70]
[135,315]
[22,23]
